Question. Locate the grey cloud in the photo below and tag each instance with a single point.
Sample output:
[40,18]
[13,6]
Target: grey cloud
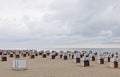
[60,22]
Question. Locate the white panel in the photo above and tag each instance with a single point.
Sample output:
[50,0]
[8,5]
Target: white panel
[13,63]
[22,64]
[19,64]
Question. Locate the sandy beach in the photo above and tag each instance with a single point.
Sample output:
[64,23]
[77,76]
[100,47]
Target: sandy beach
[46,67]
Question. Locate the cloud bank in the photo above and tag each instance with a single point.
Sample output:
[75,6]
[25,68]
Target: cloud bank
[59,23]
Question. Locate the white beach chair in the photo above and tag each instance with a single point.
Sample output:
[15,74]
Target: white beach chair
[52,55]
[64,57]
[4,57]
[114,63]
[44,55]
[19,64]
[32,55]
[77,58]
[100,59]
[82,63]
[11,54]
[92,57]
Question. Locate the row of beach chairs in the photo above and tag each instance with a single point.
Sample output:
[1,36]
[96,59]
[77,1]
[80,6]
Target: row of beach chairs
[83,57]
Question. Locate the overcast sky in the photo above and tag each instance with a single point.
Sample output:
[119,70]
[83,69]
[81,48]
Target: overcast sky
[59,23]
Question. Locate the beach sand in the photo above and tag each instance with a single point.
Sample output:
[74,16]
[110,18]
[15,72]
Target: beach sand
[46,67]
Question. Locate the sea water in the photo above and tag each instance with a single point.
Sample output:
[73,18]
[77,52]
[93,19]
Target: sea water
[84,49]
[73,49]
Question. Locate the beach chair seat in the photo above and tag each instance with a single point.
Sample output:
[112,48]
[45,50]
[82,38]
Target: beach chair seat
[56,54]
[96,53]
[0,53]
[48,54]
[40,53]
[4,58]
[11,55]
[101,61]
[44,56]
[61,56]
[115,64]
[81,56]
[17,56]
[32,56]
[24,55]
[69,55]
[65,57]
[36,54]
[93,58]
[52,56]
[72,56]
[77,60]
[108,59]
[86,63]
